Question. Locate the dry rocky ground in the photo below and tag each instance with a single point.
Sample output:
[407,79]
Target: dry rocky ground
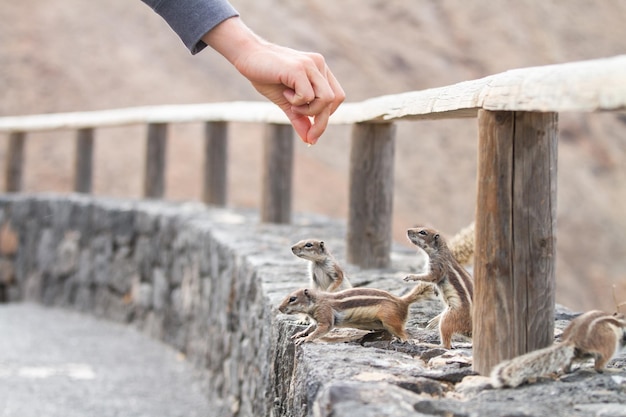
[71,55]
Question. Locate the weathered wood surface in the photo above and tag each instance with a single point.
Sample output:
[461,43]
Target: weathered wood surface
[83,161]
[156,147]
[515,235]
[215,163]
[277,174]
[15,162]
[369,234]
[263,112]
[584,86]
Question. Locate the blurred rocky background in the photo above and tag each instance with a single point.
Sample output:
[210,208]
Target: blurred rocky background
[71,55]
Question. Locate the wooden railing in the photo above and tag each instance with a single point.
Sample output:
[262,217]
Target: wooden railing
[517,115]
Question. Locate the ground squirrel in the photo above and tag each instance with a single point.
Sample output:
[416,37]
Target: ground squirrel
[462,247]
[324,271]
[454,282]
[594,334]
[359,308]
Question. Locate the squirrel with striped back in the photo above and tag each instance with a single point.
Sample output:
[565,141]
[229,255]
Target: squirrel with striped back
[324,271]
[359,308]
[453,281]
[594,334]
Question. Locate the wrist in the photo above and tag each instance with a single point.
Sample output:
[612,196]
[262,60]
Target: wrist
[232,39]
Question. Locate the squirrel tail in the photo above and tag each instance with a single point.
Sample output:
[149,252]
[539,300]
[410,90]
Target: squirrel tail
[516,371]
[421,291]
[462,245]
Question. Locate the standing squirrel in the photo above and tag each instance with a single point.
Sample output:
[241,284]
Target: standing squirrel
[324,271]
[454,282]
[595,334]
[359,308]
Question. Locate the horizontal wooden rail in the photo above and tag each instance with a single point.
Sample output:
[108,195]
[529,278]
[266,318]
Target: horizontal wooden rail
[262,112]
[515,211]
[585,86]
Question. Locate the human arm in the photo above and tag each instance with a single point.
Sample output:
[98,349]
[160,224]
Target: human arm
[300,83]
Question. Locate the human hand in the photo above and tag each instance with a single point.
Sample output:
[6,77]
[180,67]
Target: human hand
[300,83]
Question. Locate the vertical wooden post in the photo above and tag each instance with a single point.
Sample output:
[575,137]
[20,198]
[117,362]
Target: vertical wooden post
[83,161]
[15,162]
[154,179]
[277,174]
[515,235]
[371,195]
[215,163]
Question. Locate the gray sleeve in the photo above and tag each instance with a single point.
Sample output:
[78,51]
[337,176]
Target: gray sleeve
[191,19]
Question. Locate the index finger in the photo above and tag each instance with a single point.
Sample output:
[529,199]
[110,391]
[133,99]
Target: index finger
[320,123]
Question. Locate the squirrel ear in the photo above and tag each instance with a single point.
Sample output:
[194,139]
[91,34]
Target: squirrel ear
[437,236]
[322,245]
[306,293]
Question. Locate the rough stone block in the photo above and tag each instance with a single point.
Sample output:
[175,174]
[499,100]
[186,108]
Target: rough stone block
[85,272]
[142,295]
[145,256]
[122,271]
[161,290]
[101,257]
[123,226]
[67,253]
[46,250]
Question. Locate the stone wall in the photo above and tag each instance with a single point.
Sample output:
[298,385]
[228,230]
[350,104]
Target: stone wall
[207,282]
[184,274]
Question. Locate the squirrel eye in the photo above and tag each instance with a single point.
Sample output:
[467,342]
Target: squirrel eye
[422,232]
[292,299]
[308,245]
